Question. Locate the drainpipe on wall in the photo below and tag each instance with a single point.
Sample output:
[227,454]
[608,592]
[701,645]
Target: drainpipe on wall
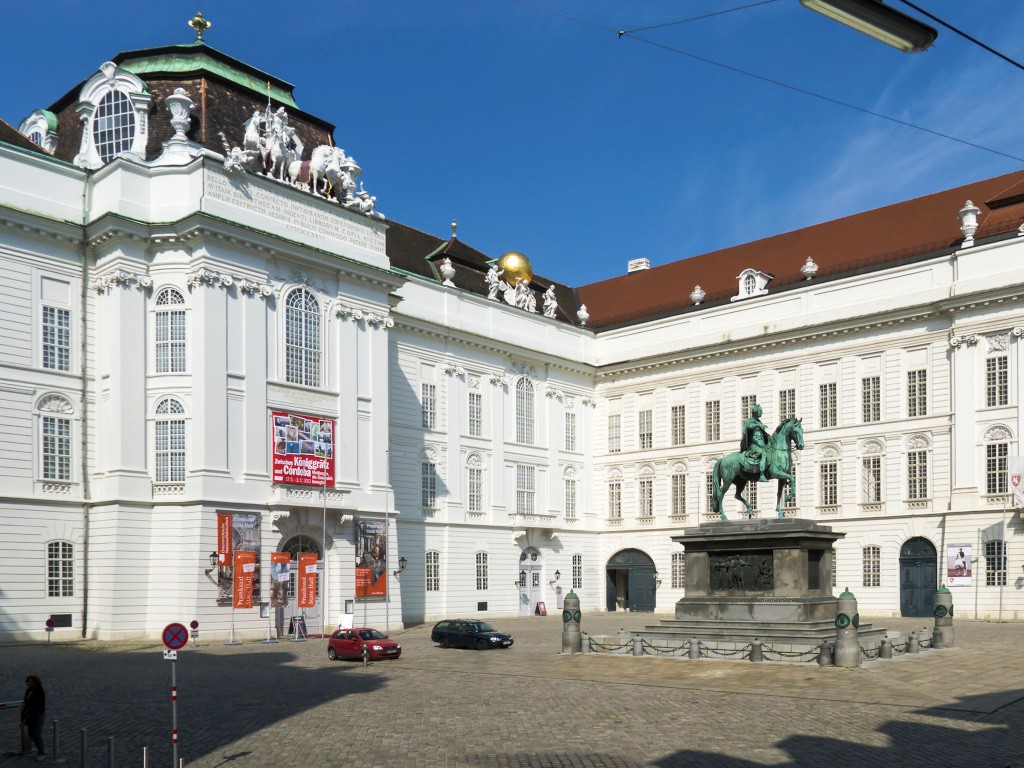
[84,445]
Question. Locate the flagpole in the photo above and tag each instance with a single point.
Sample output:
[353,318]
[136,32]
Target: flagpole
[1002,560]
[323,545]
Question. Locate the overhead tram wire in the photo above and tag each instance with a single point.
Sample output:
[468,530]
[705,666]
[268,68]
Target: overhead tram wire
[771,81]
[964,35]
[694,18]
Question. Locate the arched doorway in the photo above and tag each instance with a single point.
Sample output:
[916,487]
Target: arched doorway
[630,584]
[530,578]
[918,568]
[294,546]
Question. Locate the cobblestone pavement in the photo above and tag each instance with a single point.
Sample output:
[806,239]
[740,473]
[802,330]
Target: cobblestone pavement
[287,704]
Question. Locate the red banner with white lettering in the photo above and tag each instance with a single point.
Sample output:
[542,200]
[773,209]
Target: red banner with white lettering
[301,449]
[307,579]
[224,547]
[245,572]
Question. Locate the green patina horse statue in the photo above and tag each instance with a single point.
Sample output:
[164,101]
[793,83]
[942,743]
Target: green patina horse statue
[735,468]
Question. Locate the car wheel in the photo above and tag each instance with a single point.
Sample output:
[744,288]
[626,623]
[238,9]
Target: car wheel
[481,645]
[443,642]
[332,654]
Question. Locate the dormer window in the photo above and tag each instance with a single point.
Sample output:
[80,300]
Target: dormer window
[113,125]
[113,108]
[41,129]
[752,283]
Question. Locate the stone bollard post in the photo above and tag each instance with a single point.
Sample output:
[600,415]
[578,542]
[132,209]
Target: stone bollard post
[638,646]
[756,653]
[825,653]
[847,633]
[912,645]
[885,649]
[694,648]
[942,635]
[572,640]
[585,639]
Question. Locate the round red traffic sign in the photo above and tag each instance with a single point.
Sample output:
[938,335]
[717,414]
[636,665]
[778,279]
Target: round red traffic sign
[175,636]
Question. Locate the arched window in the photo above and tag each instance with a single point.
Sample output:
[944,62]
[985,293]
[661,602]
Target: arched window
[113,106]
[60,569]
[481,571]
[475,483]
[433,571]
[302,338]
[170,441]
[294,546]
[749,284]
[170,331]
[113,125]
[524,412]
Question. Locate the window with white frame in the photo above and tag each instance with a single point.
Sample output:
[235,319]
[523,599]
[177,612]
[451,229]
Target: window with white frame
[56,448]
[646,429]
[996,455]
[787,404]
[569,498]
[170,331]
[678,495]
[113,107]
[481,571]
[786,502]
[113,126]
[475,418]
[997,383]
[524,412]
[871,398]
[709,489]
[872,559]
[678,425]
[747,403]
[570,430]
[712,420]
[170,441]
[917,393]
[646,497]
[428,485]
[302,338]
[917,475]
[827,410]
[56,338]
[995,563]
[577,571]
[428,404]
[432,561]
[871,479]
[615,433]
[829,485]
[475,490]
[835,560]
[526,489]
[60,569]
[615,500]
[751,494]
[678,570]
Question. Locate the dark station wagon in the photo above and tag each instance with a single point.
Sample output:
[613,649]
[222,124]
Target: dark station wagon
[469,633]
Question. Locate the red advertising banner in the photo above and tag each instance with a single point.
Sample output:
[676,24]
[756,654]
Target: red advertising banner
[307,579]
[224,547]
[245,571]
[371,559]
[280,568]
[301,449]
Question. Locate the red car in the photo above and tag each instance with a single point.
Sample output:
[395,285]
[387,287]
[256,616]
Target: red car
[349,644]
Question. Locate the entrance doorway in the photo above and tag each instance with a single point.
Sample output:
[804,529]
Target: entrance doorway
[631,582]
[918,568]
[530,571]
[283,616]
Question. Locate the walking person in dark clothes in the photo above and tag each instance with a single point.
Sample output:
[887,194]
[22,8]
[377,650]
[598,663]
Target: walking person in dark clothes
[33,710]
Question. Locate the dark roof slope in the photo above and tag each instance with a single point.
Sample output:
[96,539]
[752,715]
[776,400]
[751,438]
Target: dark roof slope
[904,231]
[11,135]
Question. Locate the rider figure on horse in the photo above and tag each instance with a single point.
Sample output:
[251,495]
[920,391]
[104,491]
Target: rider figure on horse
[754,444]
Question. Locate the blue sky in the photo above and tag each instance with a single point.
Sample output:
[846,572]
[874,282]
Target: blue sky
[556,138]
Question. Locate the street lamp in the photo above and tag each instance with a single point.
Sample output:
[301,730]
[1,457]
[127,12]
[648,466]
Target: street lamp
[878,20]
[213,563]
[402,562]
[558,575]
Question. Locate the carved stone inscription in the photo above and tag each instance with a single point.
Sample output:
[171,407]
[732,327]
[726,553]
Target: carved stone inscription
[740,572]
[312,224]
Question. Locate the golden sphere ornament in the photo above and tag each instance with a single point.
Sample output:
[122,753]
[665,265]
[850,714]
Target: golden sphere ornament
[516,268]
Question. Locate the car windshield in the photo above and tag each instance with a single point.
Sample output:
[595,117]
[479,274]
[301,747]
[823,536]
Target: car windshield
[370,634]
[481,626]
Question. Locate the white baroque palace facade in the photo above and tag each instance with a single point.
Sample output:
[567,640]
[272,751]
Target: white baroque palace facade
[182,283]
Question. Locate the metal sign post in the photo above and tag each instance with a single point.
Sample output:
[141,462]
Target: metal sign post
[175,637]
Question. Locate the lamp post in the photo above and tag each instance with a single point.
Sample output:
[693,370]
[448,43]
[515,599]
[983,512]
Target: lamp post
[402,563]
[213,563]
[876,19]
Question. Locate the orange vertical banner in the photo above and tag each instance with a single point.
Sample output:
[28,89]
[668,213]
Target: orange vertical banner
[244,572]
[224,538]
[307,579]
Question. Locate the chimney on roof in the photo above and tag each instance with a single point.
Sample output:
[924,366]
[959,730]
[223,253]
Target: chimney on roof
[638,265]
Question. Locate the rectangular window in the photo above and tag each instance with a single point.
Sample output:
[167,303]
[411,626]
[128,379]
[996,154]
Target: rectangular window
[871,398]
[570,498]
[917,475]
[428,399]
[170,451]
[570,431]
[525,488]
[786,503]
[712,420]
[615,433]
[709,490]
[995,467]
[997,387]
[871,479]
[747,403]
[917,393]
[751,493]
[646,429]
[428,485]
[995,563]
[475,495]
[827,410]
[679,495]
[646,497]
[170,341]
[481,571]
[872,566]
[433,572]
[524,412]
[678,425]
[60,569]
[56,338]
[678,570]
[787,404]
[56,448]
[577,571]
[829,472]
[475,417]
[615,500]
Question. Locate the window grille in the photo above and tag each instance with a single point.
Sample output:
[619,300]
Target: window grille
[302,338]
[428,485]
[525,489]
[570,431]
[995,467]
[646,497]
[56,339]
[170,332]
[787,404]
[678,425]
[481,571]
[60,569]
[577,571]
[646,429]
[428,402]
[871,479]
[56,448]
[995,563]
[524,412]
[679,495]
[872,566]
[712,421]
[476,414]
[432,580]
[996,381]
[113,126]
[917,475]
[570,498]
[170,442]
[871,398]
[917,393]
[678,570]
[474,498]
[827,405]
[614,433]
[615,500]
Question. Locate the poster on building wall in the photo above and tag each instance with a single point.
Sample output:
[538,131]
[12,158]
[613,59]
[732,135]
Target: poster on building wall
[244,576]
[958,565]
[1015,478]
[242,531]
[307,579]
[280,572]
[302,449]
[371,559]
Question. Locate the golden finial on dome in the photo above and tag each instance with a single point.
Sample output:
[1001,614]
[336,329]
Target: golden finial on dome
[454,227]
[200,25]
[516,268]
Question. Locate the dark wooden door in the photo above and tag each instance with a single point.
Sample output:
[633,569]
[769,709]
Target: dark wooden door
[918,564]
[641,589]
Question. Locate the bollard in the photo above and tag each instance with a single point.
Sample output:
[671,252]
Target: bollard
[638,646]
[912,644]
[366,655]
[56,742]
[885,649]
[585,643]
[755,651]
[110,752]
[847,651]
[942,635]
[81,761]
[922,639]
[145,757]
[825,653]
[571,640]
[694,648]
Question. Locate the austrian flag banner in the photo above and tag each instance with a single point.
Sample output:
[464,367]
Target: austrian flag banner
[245,571]
[1015,478]
[307,579]
[301,449]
